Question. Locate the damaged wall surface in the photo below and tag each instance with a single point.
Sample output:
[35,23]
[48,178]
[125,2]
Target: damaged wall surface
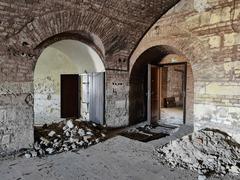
[51,64]
[207,33]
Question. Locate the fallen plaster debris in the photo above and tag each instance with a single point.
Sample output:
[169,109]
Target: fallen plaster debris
[208,151]
[60,137]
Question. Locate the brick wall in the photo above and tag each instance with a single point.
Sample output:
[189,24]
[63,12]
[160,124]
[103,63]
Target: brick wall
[113,28]
[207,34]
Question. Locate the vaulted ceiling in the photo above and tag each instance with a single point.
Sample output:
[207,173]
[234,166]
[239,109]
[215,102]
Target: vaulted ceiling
[120,24]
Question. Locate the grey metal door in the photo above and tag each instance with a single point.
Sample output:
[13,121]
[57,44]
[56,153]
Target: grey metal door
[97,98]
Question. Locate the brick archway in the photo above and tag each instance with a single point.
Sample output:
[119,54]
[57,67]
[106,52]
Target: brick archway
[184,43]
[65,23]
[179,41]
[138,82]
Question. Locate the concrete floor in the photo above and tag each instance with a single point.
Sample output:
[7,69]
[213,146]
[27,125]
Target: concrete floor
[172,115]
[117,158]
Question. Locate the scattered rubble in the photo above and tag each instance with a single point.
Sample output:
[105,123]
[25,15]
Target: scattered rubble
[208,151]
[65,136]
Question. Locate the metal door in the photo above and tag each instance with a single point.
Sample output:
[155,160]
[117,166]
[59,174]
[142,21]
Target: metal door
[97,97]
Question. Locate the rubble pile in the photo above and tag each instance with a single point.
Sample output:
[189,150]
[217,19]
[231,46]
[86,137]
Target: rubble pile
[65,136]
[208,151]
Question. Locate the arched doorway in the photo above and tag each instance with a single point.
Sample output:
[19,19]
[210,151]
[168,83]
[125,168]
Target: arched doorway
[161,87]
[68,83]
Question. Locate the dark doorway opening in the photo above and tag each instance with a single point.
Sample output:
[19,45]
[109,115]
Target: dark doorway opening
[82,96]
[70,100]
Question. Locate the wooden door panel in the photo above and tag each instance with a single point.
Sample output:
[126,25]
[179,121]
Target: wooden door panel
[155,81]
[153,94]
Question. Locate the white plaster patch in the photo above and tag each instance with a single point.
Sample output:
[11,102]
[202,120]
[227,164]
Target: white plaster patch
[120,104]
[1,60]
[6,139]
[203,111]
[3,115]
[201,5]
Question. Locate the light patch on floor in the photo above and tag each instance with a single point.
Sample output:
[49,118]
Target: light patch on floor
[172,115]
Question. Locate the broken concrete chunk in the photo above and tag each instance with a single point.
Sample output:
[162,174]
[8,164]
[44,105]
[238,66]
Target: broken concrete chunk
[81,143]
[6,139]
[97,140]
[34,153]
[234,170]
[74,146]
[89,133]
[65,127]
[28,155]
[44,141]
[81,132]
[51,133]
[67,134]
[70,124]
[50,150]
[36,146]
[202,177]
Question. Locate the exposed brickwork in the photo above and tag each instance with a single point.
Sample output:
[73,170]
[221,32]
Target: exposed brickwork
[204,34]
[113,28]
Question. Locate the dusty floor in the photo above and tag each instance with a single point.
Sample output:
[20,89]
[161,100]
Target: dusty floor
[172,115]
[117,158]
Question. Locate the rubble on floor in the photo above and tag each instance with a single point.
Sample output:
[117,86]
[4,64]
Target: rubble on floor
[65,136]
[208,151]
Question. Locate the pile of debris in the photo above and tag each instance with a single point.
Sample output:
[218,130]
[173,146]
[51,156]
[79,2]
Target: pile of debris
[208,151]
[65,136]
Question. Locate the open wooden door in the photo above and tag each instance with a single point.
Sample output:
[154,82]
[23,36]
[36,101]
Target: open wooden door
[70,100]
[97,97]
[153,94]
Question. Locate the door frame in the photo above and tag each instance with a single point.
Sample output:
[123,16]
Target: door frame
[149,108]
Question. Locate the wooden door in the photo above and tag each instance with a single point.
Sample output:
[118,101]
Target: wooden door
[70,100]
[153,94]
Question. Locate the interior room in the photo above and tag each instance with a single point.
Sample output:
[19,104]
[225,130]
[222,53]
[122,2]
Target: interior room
[119,89]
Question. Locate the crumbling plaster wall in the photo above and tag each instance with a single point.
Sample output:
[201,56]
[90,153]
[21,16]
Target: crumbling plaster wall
[51,64]
[202,31]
